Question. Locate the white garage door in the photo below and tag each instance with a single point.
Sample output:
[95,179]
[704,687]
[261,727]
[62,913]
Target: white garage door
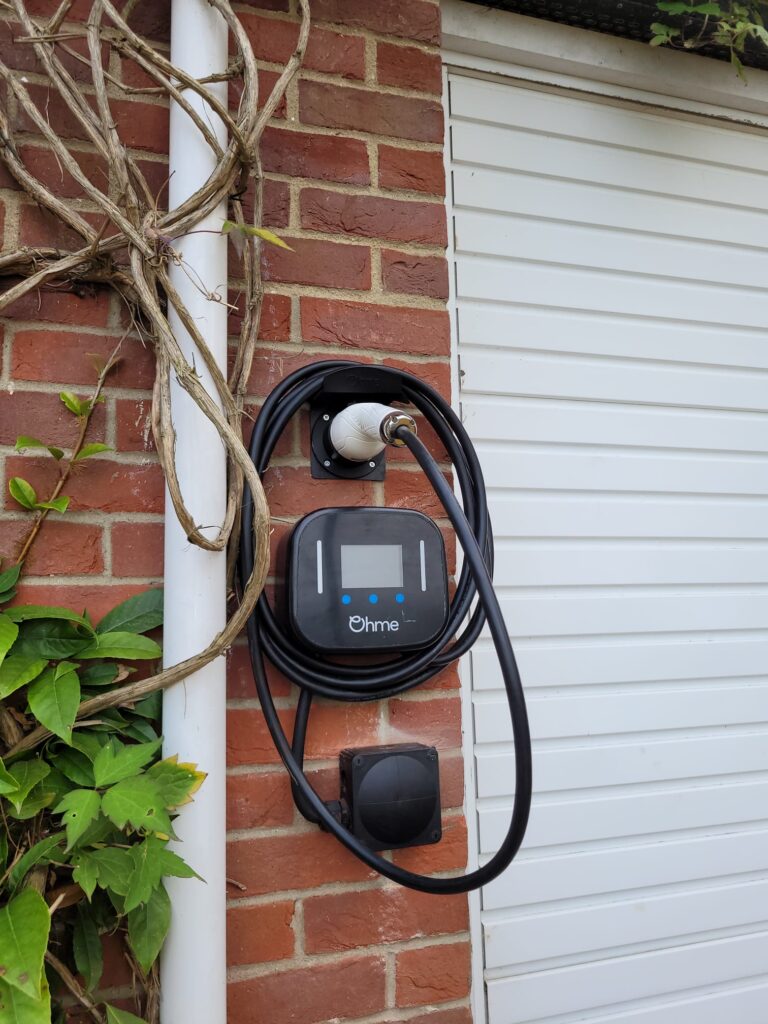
[611,286]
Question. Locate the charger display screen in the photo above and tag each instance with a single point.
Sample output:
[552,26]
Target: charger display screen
[371,565]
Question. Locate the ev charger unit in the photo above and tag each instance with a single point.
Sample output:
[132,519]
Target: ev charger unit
[367,613]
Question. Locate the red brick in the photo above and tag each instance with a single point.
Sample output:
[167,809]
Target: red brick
[261,933]
[436,721]
[274,40]
[303,155]
[50,103]
[267,80]
[452,781]
[267,5]
[98,485]
[137,549]
[415,275]
[275,321]
[331,728]
[438,375]
[39,227]
[142,125]
[411,169]
[319,263]
[240,683]
[373,217]
[49,170]
[133,423]
[365,110]
[152,20]
[450,854]
[22,56]
[96,599]
[87,307]
[45,417]
[347,920]
[272,367]
[457,1015]
[358,325]
[403,489]
[117,966]
[156,175]
[259,800]
[62,547]
[294,861]
[71,358]
[308,995]
[436,974]
[409,19]
[409,68]
[291,491]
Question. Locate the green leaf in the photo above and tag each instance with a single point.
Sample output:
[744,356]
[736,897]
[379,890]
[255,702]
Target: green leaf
[24,441]
[114,866]
[714,10]
[116,761]
[122,645]
[248,229]
[24,926]
[92,449]
[79,808]
[26,612]
[146,875]
[176,782]
[86,945]
[138,614]
[85,872]
[98,675]
[22,492]
[50,640]
[89,742]
[40,853]
[151,707]
[75,765]
[673,8]
[54,702]
[17,670]
[9,631]
[9,578]
[136,801]
[26,775]
[54,505]
[147,927]
[7,781]
[18,1008]
[115,1016]
[73,403]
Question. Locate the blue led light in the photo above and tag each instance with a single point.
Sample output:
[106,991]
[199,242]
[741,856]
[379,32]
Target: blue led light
[400,598]
[373,598]
[346,599]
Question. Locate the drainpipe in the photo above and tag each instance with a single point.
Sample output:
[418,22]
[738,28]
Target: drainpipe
[193,965]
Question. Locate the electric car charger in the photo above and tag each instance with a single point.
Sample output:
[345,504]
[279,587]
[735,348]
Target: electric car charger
[360,599]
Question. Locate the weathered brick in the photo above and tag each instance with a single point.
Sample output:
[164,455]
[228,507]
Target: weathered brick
[97,599]
[142,125]
[412,169]
[133,425]
[240,676]
[347,920]
[259,934]
[403,117]
[436,721]
[308,995]
[292,861]
[63,548]
[436,974]
[450,854]
[358,325]
[72,358]
[43,416]
[88,306]
[46,166]
[137,549]
[304,155]
[259,800]
[403,489]
[373,217]
[319,263]
[408,67]
[103,486]
[409,19]
[291,491]
[274,40]
[275,321]
[414,275]
[331,728]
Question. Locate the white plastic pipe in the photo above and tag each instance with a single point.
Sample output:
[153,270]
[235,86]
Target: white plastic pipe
[193,965]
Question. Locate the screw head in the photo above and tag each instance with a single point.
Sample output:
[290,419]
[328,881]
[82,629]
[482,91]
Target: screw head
[358,761]
[435,835]
[327,463]
[372,465]
[326,417]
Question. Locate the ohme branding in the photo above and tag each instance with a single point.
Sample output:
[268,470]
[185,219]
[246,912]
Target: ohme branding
[362,624]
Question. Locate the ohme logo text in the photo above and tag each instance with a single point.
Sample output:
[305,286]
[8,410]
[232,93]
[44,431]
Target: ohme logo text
[362,624]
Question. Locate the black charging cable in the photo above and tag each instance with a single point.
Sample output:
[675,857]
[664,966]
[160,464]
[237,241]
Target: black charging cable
[314,675]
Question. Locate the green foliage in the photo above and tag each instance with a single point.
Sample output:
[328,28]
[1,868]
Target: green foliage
[91,810]
[729,25]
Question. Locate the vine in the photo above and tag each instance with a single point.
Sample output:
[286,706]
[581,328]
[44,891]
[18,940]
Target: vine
[729,26]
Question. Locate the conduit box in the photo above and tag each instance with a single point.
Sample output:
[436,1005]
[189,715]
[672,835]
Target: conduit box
[393,795]
[367,580]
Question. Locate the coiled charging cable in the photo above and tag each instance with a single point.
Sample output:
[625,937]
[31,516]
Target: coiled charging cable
[317,676]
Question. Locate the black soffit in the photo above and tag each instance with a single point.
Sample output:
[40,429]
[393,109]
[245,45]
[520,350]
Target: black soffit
[629,19]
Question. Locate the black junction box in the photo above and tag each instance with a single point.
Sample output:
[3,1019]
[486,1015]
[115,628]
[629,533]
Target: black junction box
[393,795]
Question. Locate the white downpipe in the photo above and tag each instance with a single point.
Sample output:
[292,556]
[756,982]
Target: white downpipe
[193,966]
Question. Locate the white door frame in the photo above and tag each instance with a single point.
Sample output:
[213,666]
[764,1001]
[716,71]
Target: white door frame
[533,52]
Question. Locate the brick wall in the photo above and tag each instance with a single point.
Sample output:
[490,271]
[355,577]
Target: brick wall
[355,183]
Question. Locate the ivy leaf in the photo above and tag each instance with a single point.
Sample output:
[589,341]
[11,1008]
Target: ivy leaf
[24,441]
[9,578]
[92,449]
[147,927]
[26,775]
[24,926]
[146,875]
[40,853]
[85,872]
[75,765]
[177,783]
[138,802]
[86,945]
[114,866]
[79,808]
[26,612]
[9,631]
[116,761]
[54,505]
[17,670]
[54,702]
[122,645]
[138,614]
[22,492]
[73,403]
[115,1016]
[18,1008]
[247,229]
[89,743]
